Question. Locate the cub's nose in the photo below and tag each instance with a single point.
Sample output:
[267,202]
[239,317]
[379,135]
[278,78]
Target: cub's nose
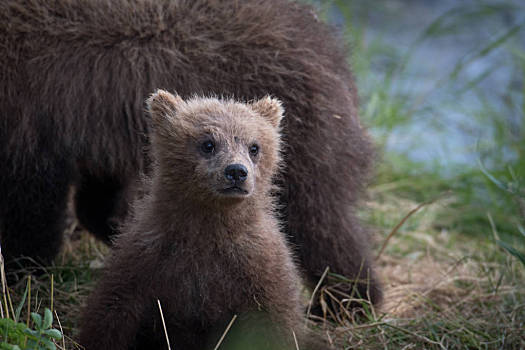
[236,173]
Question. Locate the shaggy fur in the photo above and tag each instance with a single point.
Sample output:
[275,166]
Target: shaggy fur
[73,77]
[205,254]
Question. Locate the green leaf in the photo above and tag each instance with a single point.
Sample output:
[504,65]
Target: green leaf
[7,322]
[31,345]
[47,344]
[31,334]
[53,333]
[48,319]
[37,320]
[512,251]
[21,327]
[5,346]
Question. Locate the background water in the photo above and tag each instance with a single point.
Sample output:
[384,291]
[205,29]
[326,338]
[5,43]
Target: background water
[449,74]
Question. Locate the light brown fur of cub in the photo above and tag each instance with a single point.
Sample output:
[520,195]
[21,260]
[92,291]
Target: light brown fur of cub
[204,241]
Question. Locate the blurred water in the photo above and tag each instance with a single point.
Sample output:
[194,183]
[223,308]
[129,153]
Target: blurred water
[451,125]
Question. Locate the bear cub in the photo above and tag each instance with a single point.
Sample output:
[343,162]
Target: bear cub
[204,241]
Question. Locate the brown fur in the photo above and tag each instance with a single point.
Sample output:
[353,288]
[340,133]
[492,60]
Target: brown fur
[73,77]
[204,254]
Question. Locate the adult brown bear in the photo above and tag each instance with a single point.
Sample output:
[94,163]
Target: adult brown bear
[74,76]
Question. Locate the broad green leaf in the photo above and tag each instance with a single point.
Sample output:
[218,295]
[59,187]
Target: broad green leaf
[53,333]
[37,319]
[47,344]
[5,346]
[48,319]
[32,333]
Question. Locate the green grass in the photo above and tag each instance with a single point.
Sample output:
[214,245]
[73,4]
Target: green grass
[62,288]
[452,272]
[495,116]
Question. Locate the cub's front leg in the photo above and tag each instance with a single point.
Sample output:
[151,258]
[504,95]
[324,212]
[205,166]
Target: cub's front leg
[114,311]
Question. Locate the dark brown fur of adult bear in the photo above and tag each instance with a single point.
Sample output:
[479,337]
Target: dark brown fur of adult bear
[73,78]
[204,240]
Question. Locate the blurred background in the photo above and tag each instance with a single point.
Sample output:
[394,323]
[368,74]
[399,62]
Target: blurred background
[442,90]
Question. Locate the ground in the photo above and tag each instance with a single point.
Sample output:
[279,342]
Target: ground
[443,289]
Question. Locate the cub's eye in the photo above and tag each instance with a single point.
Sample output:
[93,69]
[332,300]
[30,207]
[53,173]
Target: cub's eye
[208,146]
[254,150]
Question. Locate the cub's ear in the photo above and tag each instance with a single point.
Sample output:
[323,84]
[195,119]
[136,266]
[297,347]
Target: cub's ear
[270,108]
[162,105]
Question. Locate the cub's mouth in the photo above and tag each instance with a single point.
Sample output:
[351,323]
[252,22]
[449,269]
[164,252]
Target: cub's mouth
[234,191]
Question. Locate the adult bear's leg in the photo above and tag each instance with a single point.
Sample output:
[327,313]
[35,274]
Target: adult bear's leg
[328,159]
[33,207]
[101,205]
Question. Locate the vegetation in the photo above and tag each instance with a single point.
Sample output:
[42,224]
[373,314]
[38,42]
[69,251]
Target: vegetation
[17,335]
[20,336]
[449,234]
[453,271]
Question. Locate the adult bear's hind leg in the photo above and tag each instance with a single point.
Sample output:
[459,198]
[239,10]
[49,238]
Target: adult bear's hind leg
[33,209]
[328,162]
[101,205]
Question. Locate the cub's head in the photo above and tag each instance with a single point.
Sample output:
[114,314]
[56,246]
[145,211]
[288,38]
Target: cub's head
[215,149]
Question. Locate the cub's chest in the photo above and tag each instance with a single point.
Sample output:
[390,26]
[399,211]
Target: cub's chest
[214,280]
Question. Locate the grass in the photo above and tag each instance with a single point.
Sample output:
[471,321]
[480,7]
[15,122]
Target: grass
[442,289]
[63,287]
[452,272]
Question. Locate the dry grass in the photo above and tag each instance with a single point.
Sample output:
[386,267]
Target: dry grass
[442,290]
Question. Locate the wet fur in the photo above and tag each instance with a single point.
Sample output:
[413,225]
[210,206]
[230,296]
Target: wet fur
[205,256]
[74,75]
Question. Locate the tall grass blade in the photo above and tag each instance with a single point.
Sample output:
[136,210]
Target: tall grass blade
[485,50]
[512,251]
[495,181]
[21,304]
